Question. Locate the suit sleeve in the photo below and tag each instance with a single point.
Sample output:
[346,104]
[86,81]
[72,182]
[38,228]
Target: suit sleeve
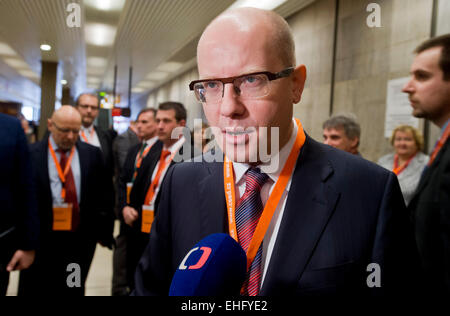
[25,195]
[105,205]
[125,177]
[394,246]
[154,271]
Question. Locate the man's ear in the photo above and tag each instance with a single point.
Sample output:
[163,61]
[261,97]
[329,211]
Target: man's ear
[182,122]
[298,79]
[49,124]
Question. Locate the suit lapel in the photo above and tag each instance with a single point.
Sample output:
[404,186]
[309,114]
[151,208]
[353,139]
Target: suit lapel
[429,170]
[212,205]
[311,202]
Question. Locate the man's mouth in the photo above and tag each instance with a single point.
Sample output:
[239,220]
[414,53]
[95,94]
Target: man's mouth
[238,136]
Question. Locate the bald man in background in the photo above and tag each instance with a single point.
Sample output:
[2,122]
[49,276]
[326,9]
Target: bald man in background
[73,212]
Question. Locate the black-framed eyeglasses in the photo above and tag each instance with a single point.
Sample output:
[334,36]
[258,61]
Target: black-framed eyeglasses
[248,86]
[66,130]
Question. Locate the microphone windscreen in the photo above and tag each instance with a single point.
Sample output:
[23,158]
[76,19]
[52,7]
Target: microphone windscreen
[215,266]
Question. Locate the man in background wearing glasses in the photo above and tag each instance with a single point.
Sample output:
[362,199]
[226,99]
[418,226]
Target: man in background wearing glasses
[73,212]
[334,218]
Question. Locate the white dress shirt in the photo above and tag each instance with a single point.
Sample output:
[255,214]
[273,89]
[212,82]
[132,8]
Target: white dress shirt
[173,149]
[91,136]
[239,171]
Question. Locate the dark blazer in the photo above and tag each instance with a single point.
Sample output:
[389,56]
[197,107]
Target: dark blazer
[430,212]
[60,248]
[342,213]
[19,223]
[106,138]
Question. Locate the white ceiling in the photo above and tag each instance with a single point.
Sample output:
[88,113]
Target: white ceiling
[148,35]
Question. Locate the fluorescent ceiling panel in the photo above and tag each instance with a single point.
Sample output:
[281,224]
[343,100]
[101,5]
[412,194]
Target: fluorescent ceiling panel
[169,66]
[105,5]
[157,75]
[98,62]
[16,63]
[6,50]
[100,34]
[261,4]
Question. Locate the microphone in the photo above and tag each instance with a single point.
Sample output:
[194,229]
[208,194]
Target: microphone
[215,266]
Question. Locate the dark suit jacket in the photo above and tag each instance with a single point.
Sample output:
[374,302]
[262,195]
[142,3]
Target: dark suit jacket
[342,213]
[106,138]
[48,274]
[430,211]
[18,207]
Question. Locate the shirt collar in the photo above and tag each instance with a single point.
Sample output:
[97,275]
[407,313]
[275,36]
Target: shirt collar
[87,129]
[177,145]
[151,141]
[274,167]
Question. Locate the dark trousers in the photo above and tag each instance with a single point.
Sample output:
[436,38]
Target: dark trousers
[119,279]
[137,242]
[4,280]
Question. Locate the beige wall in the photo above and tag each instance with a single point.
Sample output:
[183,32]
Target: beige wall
[366,58]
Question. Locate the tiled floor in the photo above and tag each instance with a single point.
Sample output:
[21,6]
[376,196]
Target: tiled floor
[99,279]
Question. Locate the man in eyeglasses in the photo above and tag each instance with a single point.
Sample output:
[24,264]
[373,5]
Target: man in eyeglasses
[89,107]
[73,208]
[311,219]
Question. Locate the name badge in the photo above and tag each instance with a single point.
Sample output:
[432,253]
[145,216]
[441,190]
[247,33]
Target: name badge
[62,217]
[148,215]
[129,187]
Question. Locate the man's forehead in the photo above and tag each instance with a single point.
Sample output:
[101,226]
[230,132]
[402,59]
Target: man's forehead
[86,98]
[170,113]
[428,60]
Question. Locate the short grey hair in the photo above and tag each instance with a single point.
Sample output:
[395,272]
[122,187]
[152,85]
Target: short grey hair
[348,124]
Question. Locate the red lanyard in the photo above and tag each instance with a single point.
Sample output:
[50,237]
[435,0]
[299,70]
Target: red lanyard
[398,169]
[274,199]
[62,175]
[439,144]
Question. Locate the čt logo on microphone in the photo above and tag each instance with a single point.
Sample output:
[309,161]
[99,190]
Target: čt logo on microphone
[200,263]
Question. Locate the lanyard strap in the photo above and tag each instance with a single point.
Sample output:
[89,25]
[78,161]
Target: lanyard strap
[439,144]
[163,163]
[62,175]
[398,169]
[272,202]
[90,137]
[140,156]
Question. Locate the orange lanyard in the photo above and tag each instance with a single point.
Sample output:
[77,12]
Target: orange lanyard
[272,202]
[152,189]
[398,169]
[90,137]
[62,175]
[141,155]
[439,144]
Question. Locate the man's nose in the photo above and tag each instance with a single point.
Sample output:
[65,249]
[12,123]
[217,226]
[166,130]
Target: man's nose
[231,104]
[408,87]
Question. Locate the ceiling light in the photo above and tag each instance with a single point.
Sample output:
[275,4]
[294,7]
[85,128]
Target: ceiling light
[146,84]
[261,4]
[16,63]
[45,47]
[137,90]
[99,34]
[170,66]
[28,73]
[157,75]
[95,61]
[6,50]
[63,82]
[93,80]
[106,5]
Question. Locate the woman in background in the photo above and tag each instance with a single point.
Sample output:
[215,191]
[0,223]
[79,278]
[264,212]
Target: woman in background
[407,161]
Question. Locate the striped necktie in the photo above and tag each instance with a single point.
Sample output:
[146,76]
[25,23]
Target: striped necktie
[248,211]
